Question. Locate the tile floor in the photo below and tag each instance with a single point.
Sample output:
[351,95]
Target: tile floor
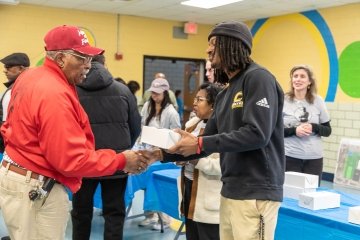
[131,229]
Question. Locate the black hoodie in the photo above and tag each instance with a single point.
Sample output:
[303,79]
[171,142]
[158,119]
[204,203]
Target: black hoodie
[111,108]
[246,128]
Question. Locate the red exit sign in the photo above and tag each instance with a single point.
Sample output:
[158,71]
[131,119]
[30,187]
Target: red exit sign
[190,28]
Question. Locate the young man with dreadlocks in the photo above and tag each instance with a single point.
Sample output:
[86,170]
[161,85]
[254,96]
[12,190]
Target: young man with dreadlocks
[246,127]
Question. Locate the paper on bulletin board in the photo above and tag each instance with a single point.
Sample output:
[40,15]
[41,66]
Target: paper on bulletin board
[347,171]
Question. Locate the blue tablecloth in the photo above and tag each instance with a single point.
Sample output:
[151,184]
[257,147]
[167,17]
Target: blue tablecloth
[141,181]
[297,223]
[136,183]
[162,193]
[294,222]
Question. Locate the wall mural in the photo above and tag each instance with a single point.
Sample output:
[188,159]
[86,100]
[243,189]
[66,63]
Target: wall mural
[340,74]
[349,76]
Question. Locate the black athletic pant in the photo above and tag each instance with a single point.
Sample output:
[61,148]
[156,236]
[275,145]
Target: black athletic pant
[112,194]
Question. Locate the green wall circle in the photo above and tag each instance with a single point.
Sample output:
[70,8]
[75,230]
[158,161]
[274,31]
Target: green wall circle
[349,70]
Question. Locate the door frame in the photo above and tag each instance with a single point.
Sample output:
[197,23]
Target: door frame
[187,97]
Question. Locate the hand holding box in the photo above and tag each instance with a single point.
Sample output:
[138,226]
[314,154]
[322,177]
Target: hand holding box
[159,137]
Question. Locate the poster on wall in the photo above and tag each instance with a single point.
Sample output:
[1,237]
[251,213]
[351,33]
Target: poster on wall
[347,171]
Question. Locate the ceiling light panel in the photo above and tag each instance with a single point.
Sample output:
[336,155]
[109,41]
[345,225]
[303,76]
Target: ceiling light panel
[207,4]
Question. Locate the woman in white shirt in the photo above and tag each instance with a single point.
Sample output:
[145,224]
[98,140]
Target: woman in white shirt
[306,120]
[159,112]
[201,178]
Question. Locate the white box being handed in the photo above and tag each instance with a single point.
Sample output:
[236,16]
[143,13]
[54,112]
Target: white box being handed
[319,200]
[293,192]
[354,215]
[301,180]
[159,137]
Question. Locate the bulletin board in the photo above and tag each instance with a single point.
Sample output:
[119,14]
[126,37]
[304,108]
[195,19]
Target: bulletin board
[348,163]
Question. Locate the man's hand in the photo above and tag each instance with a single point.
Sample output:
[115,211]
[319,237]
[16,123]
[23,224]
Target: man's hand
[135,162]
[151,155]
[186,146]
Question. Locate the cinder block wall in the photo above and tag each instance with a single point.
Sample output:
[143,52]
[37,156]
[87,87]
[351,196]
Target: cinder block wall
[345,123]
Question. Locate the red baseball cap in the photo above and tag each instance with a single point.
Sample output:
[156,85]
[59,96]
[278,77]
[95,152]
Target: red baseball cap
[70,38]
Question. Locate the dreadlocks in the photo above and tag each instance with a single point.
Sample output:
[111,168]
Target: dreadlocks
[234,55]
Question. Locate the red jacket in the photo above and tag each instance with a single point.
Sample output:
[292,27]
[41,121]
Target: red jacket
[48,132]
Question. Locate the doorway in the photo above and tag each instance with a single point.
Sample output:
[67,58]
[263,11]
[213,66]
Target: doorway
[183,74]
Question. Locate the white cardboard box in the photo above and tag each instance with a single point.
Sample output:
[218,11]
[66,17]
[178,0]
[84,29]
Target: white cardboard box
[293,192]
[159,137]
[301,180]
[354,215]
[319,200]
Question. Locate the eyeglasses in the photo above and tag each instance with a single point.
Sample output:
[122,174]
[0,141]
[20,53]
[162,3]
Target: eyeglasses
[199,99]
[85,60]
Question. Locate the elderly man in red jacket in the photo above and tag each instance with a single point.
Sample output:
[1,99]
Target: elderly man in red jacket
[49,144]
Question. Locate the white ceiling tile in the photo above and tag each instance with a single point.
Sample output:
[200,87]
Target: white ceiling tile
[173,10]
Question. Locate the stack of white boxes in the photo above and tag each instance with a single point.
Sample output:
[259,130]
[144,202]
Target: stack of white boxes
[303,186]
[297,183]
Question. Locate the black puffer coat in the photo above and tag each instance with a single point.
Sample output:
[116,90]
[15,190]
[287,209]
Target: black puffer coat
[111,108]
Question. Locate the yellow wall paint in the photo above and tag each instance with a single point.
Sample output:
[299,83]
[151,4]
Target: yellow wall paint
[23,28]
[344,24]
[146,36]
[290,40]
[283,42]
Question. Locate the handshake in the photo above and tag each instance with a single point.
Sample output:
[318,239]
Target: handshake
[138,161]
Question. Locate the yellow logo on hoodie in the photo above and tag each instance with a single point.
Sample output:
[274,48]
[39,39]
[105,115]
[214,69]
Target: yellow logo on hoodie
[238,100]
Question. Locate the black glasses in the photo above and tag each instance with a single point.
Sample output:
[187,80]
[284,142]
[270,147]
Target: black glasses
[199,99]
[85,59]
